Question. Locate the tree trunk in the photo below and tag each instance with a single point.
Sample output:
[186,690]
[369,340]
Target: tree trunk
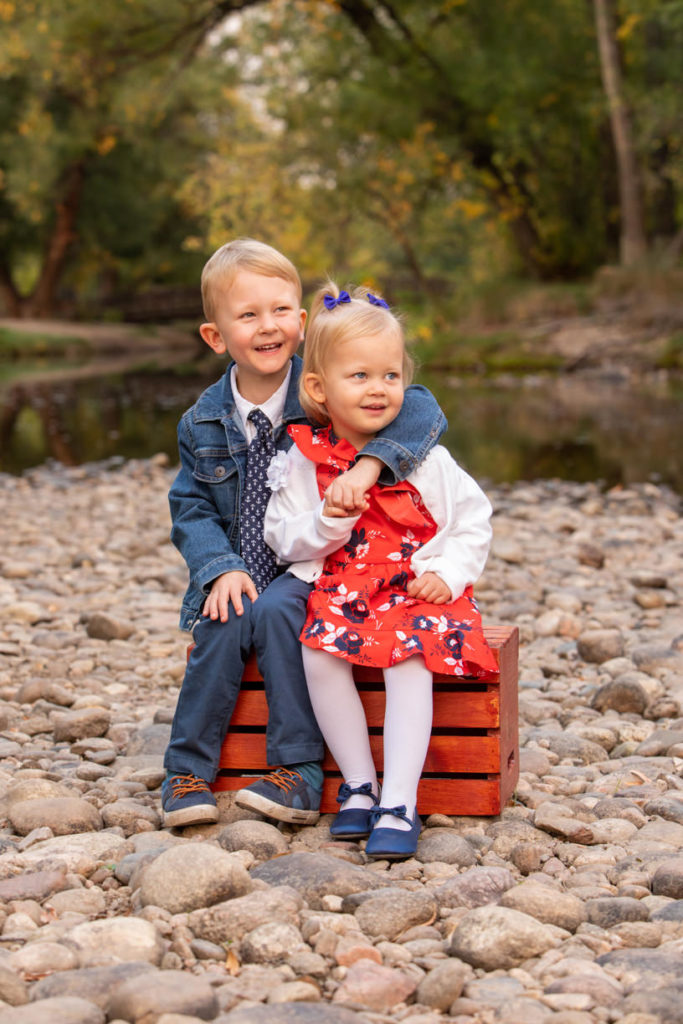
[633,243]
[8,293]
[41,302]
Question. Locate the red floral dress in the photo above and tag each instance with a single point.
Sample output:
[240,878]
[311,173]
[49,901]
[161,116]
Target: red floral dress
[359,609]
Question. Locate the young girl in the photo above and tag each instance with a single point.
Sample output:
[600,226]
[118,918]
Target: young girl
[393,568]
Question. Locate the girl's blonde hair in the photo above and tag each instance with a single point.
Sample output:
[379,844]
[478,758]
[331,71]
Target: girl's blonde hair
[243,254]
[346,315]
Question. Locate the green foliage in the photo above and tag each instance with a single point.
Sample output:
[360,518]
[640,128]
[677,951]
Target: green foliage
[100,122]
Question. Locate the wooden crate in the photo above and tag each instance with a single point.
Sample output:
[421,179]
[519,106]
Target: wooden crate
[472,763]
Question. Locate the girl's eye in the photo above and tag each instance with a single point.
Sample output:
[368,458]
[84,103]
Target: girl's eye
[393,376]
[247,314]
[360,374]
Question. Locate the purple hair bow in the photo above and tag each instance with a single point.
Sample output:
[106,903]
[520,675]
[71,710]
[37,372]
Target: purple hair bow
[331,302]
[377,302]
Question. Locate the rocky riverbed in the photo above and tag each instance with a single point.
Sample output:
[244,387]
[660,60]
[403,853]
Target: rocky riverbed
[567,909]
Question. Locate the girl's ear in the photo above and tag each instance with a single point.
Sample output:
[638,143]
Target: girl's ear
[314,387]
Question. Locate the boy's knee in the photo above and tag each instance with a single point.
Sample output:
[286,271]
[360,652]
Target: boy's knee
[215,633]
[286,596]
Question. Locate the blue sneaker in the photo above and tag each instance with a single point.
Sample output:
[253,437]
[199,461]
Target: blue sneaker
[187,800]
[393,843]
[284,795]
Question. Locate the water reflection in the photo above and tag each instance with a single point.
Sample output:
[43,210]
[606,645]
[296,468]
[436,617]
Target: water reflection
[574,427]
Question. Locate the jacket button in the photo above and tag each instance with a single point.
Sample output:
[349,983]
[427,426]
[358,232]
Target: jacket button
[219,471]
[404,466]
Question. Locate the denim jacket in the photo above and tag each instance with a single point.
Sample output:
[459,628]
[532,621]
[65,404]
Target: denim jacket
[205,495]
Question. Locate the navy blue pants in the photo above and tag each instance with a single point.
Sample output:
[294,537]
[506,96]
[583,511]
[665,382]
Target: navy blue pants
[272,626]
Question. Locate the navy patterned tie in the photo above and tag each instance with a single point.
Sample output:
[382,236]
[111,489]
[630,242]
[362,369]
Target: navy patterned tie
[258,556]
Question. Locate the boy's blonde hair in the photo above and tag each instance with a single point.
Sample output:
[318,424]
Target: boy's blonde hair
[243,254]
[361,314]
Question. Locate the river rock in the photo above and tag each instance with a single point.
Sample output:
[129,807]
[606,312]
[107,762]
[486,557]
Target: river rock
[259,837]
[390,913]
[63,815]
[546,904]
[230,921]
[443,984]
[621,694]
[609,911]
[663,1005]
[446,846]
[130,815]
[13,988]
[142,998]
[96,984]
[599,645]
[495,937]
[374,987]
[474,888]
[116,940]
[638,969]
[668,879]
[75,725]
[192,875]
[315,875]
[35,789]
[271,943]
[292,1013]
[101,626]
[66,1010]
[33,885]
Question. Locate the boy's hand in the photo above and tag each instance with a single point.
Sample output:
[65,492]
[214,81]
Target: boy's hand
[346,495]
[429,587]
[226,588]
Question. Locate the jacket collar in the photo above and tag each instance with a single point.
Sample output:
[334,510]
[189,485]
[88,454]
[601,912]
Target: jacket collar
[217,402]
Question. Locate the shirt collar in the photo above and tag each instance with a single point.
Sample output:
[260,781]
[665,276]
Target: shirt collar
[274,407]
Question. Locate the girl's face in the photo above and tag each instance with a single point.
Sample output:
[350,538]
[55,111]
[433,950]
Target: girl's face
[361,386]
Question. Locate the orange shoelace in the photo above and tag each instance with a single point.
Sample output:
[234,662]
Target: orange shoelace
[284,778]
[183,785]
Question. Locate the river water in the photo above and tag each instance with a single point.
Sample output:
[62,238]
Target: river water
[574,427]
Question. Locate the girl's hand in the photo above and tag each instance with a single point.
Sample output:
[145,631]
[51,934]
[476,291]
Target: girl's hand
[225,589]
[337,512]
[429,587]
[346,495]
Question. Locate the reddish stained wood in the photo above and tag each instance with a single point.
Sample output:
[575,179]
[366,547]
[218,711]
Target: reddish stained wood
[486,765]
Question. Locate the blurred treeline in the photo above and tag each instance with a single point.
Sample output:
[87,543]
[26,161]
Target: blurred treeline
[428,143]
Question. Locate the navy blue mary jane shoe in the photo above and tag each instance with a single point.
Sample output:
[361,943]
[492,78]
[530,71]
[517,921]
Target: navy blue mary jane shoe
[354,822]
[393,843]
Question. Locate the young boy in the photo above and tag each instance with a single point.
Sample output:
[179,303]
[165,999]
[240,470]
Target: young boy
[237,597]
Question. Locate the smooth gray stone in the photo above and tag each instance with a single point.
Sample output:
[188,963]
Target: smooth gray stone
[315,875]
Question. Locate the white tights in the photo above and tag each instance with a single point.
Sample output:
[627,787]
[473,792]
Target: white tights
[407,727]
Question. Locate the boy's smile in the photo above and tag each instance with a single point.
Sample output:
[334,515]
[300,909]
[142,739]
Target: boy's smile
[260,324]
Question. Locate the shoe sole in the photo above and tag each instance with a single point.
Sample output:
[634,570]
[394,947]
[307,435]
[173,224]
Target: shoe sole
[391,856]
[270,809]
[200,815]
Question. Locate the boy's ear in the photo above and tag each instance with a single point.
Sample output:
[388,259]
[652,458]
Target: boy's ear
[302,317]
[314,388]
[212,336]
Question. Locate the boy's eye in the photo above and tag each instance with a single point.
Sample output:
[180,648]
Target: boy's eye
[392,375]
[244,316]
[360,374]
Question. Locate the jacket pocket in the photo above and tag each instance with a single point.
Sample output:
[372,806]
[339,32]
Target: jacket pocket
[213,466]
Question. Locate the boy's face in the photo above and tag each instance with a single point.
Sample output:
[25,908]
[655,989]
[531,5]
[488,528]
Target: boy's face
[260,324]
